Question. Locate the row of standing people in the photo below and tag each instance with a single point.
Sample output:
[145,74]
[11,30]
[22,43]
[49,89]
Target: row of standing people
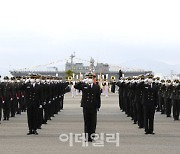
[12,100]
[139,98]
[42,99]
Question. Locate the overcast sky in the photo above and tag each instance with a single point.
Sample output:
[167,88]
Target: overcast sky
[114,31]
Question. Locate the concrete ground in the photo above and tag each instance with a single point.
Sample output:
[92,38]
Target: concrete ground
[111,120]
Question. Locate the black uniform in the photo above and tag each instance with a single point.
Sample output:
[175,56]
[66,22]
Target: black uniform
[13,100]
[139,105]
[149,105]
[162,89]
[32,100]
[167,100]
[121,89]
[7,99]
[113,87]
[90,102]
[1,99]
[176,102]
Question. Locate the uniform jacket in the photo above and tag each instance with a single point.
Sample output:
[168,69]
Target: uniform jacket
[32,93]
[90,95]
[150,95]
[7,91]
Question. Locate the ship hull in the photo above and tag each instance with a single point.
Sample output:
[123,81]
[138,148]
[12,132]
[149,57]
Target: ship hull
[62,74]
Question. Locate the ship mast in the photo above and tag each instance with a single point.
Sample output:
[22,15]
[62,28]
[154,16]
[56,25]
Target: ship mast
[92,67]
[72,57]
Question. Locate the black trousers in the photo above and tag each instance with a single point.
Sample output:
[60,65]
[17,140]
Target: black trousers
[62,102]
[140,114]
[168,107]
[46,113]
[90,121]
[176,109]
[120,101]
[13,107]
[0,110]
[19,106]
[40,117]
[162,105]
[32,115]
[149,111]
[134,111]
[6,109]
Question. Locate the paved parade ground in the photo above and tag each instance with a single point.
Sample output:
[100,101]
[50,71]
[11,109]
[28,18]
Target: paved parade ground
[68,124]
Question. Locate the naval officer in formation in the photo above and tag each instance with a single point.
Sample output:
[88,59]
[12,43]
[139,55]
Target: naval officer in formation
[90,102]
[41,96]
[141,96]
[44,97]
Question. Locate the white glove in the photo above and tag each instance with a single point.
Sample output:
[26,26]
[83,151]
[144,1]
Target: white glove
[26,81]
[85,80]
[40,106]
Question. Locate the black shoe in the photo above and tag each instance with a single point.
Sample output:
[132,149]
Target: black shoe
[30,132]
[35,132]
[146,133]
[151,133]
[90,140]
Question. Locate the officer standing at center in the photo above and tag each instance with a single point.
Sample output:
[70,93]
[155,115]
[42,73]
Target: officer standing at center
[91,102]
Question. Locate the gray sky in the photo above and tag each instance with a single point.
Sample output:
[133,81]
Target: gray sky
[114,31]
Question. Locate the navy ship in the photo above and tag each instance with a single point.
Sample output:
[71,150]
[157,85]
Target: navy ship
[79,69]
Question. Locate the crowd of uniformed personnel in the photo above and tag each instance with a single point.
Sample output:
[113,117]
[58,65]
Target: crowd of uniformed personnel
[140,97]
[41,96]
